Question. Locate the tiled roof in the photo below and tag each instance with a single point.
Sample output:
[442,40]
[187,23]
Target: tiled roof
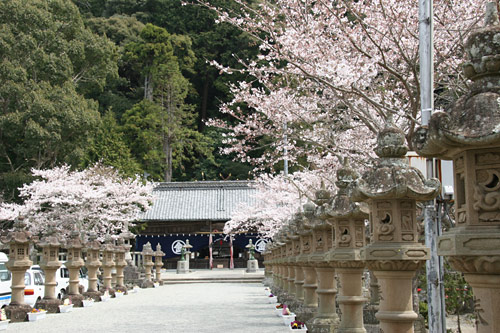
[199,201]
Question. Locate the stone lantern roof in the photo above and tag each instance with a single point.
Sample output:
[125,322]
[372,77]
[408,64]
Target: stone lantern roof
[341,204]
[51,239]
[472,121]
[392,177]
[19,234]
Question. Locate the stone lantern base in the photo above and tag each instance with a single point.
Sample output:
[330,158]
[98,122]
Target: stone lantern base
[76,300]
[111,292]
[95,295]
[182,267]
[122,288]
[252,266]
[147,284]
[49,304]
[17,312]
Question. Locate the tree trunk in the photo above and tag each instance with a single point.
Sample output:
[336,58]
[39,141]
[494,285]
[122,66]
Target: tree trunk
[167,150]
[148,87]
[204,103]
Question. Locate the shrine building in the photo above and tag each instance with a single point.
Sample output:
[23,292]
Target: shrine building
[197,211]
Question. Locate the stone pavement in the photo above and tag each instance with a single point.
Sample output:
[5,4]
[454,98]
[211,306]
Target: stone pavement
[175,308]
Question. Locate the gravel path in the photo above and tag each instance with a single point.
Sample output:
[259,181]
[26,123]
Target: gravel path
[178,308]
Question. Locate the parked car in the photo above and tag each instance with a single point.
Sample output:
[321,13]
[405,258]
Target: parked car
[62,280]
[5,281]
[34,281]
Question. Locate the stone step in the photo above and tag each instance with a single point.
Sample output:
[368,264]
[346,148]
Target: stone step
[179,281]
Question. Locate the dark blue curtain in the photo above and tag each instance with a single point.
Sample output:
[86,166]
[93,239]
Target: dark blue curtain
[197,241]
[171,242]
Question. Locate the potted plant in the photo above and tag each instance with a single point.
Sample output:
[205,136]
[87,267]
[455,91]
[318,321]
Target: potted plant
[297,325]
[278,309]
[3,320]
[87,302]
[135,289]
[66,306]
[287,316]
[105,297]
[118,293]
[272,299]
[37,314]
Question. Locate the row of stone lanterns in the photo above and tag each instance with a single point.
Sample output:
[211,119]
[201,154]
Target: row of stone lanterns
[328,240]
[113,258]
[331,233]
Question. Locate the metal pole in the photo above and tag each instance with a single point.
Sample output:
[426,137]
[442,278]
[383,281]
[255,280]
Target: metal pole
[285,150]
[436,314]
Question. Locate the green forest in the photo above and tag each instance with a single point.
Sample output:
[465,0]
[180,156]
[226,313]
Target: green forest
[123,82]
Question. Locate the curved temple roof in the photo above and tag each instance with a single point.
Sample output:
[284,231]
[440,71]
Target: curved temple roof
[199,201]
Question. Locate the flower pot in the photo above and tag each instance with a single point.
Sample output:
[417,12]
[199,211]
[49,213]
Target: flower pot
[278,312]
[118,294]
[3,325]
[272,299]
[156,284]
[34,316]
[288,319]
[87,303]
[105,298]
[65,308]
[135,289]
[303,329]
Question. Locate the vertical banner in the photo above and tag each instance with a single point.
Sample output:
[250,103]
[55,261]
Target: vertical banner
[211,261]
[231,260]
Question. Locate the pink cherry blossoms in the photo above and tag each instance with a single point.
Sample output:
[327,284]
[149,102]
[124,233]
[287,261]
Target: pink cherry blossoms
[328,76]
[95,199]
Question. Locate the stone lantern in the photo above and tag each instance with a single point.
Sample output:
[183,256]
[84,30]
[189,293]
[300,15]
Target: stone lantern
[187,249]
[19,243]
[326,318]
[127,237]
[159,262]
[286,253]
[50,263]
[293,250]
[310,285]
[268,264]
[469,134]
[120,264]
[108,263]
[277,265]
[147,255]
[252,263]
[93,263]
[74,263]
[348,219]
[391,189]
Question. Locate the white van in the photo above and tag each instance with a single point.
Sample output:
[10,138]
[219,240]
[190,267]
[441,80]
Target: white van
[5,281]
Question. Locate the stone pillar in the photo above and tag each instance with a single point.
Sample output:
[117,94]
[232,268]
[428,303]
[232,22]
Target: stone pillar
[348,220]
[159,262]
[93,263]
[252,263]
[74,263]
[268,266]
[394,255]
[326,318]
[130,272]
[147,254]
[467,133]
[120,265]
[108,264]
[19,244]
[50,263]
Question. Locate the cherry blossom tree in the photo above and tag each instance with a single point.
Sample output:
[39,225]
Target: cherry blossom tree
[333,71]
[329,75]
[277,199]
[96,199]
